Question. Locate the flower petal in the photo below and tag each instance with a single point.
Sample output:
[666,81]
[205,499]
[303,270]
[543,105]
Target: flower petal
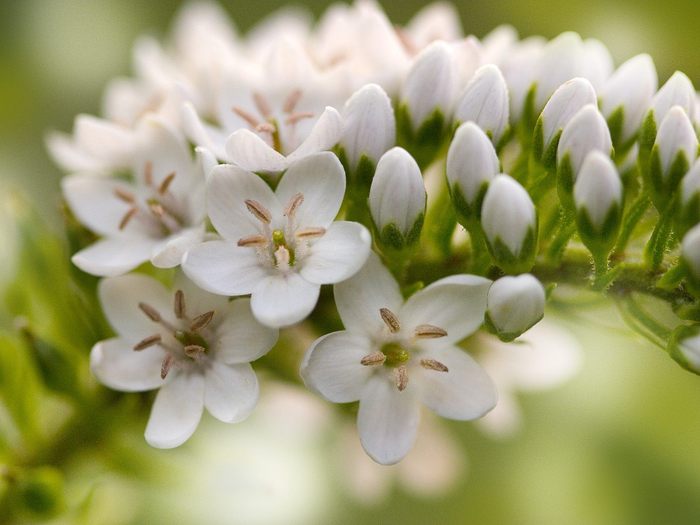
[114,256]
[223,268]
[198,301]
[201,133]
[68,155]
[228,188]
[332,366]
[464,392]
[338,255]
[241,338]
[252,153]
[324,135]
[282,299]
[456,304]
[118,366]
[320,178]
[231,391]
[168,254]
[359,298]
[176,411]
[387,420]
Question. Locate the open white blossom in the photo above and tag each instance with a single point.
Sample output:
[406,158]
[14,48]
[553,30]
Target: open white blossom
[396,355]
[279,246]
[193,346]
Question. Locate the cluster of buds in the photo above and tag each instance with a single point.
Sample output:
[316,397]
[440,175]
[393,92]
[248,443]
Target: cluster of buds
[358,154]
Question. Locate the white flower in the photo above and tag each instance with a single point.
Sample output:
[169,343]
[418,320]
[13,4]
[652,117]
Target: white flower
[499,43]
[194,346]
[630,89]
[519,69]
[472,163]
[597,62]
[598,188]
[690,249]
[676,137]
[396,355]
[586,131]
[485,102]
[515,304]
[369,126]
[677,91]
[279,246]
[155,217]
[562,59]
[435,21]
[397,198]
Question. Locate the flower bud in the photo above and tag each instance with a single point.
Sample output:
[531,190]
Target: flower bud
[397,199]
[566,102]
[689,213]
[684,347]
[518,68]
[514,305]
[598,199]
[677,91]
[597,62]
[485,102]
[369,127]
[690,253]
[626,97]
[509,221]
[562,59]
[471,164]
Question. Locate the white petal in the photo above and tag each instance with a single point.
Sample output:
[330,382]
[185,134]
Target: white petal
[168,254]
[323,136]
[116,365]
[228,188]
[456,304]
[282,299]
[68,155]
[104,140]
[231,391]
[338,255]
[321,180]
[252,153]
[176,411]
[690,249]
[198,301]
[485,101]
[464,392]
[359,298]
[223,268]
[332,366]
[387,420]
[114,256]
[202,134]
[240,337]
[508,213]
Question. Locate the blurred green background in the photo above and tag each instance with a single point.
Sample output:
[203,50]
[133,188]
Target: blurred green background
[620,444]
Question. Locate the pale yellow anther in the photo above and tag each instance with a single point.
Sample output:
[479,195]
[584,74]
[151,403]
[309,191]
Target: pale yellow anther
[292,101]
[250,119]
[262,105]
[432,364]
[261,213]
[376,358]
[390,320]
[201,321]
[125,195]
[293,205]
[296,117]
[150,312]
[252,240]
[179,304]
[148,173]
[156,209]
[401,377]
[126,219]
[147,342]
[166,365]
[429,331]
[265,127]
[167,181]
[309,233]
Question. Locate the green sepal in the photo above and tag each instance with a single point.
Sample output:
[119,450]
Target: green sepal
[565,182]
[547,157]
[391,239]
[467,212]
[528,117]
[663,185]
[688,214]
[647,134]
[511,263]
[599,241]
[423,144]
[506,337]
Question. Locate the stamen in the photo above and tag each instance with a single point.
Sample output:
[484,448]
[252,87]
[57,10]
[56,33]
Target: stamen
[265,127]
[166,365]
[179,306]
[253,240]
[148,173]
[156,208]
[292,101]
[310,233]
[147,342]
[126,219]
[260,212]
[401,378]
[201,321]
[282,257]
[432,364]
[293,205]
[428,331]
[390,320]
[296,117]
[194,351]
[150,312]
[376,358]
[262,105]
[163,188]
[125,196]
[250,119]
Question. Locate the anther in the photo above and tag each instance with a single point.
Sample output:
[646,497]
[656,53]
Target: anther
[296,117]
[148,173]
[292,101]
[252,240]
[179,304]
[257,209]
[390,320]
[201,321]
[124,195]
[194,351]
[376,358]
[163,188]
[265,127]
[250,119]
[428,331]
[262,105]
[432,364]
[126,219]
[401,378]
[156,209]
[310,233]
[166,365]
[293,205]
[150,312]
[147,342]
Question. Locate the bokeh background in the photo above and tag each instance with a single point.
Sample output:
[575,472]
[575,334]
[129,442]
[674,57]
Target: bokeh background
[618,444]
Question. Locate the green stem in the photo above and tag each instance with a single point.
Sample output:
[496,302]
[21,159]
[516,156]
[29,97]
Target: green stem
[655,249]
[566,230]
[635,212]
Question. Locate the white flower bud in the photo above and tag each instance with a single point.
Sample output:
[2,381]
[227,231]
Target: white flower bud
[485,102]
[586,132]
[597,62]
[430,83]
[689,348]
[690,185]
[676,135]
[566,102]
[689,212]
[369,127]
[471,164]
[514,305]
[518,68]
[562,59]
[598,188]
[677,91]
[509,221]
[690,249]
[397,199]
[630,90]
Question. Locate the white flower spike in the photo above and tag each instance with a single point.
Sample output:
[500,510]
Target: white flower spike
[193,346]
[279,246]
[395,355]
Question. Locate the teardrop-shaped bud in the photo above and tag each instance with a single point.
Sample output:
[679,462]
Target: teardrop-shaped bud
[514,305]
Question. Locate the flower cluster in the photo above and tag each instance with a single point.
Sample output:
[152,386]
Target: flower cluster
[434,179]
